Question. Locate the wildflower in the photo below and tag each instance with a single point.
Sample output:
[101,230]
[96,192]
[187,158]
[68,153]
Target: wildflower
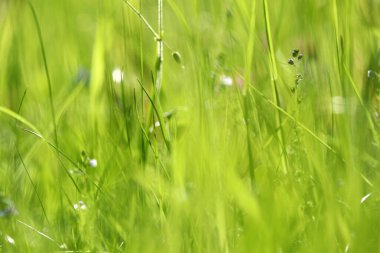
[226,80]
[93,163]
[156,124]
[117,75]
[82,76]
[10,240]
[80,205]
[7,207]
[239,82]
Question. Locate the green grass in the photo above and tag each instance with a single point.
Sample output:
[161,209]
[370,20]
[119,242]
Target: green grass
[185,161]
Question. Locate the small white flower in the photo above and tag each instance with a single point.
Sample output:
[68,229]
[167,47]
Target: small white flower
[80,205]
[93,163]
[338,104]
[226,80]
[156,124]
[10,240]
[117,75]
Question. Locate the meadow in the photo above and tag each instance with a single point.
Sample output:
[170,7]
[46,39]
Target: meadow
[190,126]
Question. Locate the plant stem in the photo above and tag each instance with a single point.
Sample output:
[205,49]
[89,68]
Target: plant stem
[46,71]
[137,12]
[274,75]
[160,50]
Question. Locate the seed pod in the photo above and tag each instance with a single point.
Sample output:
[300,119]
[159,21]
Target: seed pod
[295,52]
[177,57]
[300,56]
[291,61]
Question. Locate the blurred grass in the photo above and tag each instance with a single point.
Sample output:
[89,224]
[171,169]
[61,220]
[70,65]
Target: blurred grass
[220,188]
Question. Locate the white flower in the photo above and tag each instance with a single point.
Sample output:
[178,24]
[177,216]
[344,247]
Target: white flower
[226,80]
[10,240]
[93,163]
[117,75]
[156,124]
[80,205]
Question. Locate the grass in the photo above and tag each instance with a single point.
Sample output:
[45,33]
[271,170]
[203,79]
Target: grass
[212,142]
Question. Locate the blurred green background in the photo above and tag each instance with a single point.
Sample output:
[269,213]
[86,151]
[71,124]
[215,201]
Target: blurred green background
[265,156]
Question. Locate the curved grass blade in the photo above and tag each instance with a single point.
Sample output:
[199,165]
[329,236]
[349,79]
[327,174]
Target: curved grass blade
[160,118]
[39,33]
[34,186]
[21,119]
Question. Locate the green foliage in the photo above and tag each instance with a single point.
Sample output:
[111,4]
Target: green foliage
[204,126]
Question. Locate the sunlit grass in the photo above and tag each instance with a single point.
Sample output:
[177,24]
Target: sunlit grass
[259,133]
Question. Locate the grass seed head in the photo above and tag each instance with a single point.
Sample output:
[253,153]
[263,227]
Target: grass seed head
[295,52]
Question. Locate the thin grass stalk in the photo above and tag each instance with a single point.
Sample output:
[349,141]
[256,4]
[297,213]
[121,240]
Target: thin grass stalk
[157,81]
[274,76]
[249,99]
[159,75]
[144,146]
[160,49]
[39,33]
[34,186]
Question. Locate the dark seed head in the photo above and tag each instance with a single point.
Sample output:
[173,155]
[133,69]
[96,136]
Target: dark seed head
[177,57]
[371,73]
[295,52]
[291,61]
[300,56]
